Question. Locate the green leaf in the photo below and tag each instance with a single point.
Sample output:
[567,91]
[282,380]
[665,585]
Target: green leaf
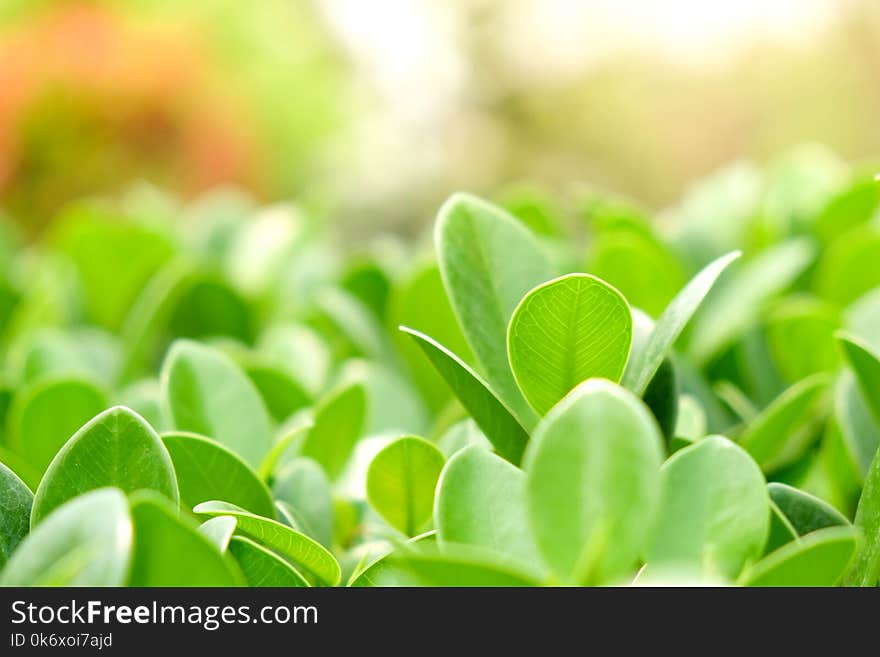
[593,482]
[637,264]
[113,258]
[420,302]
[401,481]
[778,435]
[86,542]
[865,569]
[565,331]
[815,560]
[848,268]
[208,471]
[866,365]
[281,393]
[261,567]
[116,448]
[16,500]
[781,529]
[170,551]
[45,414]
[488,261]
[481,501]
[714,515]
[219,531]
[800,337]
[735,307]
[459,567]
[206,393]
[646,361]
[339,422]
[858,428]
[805,512]
[301,551]
[493,417]
[303,485]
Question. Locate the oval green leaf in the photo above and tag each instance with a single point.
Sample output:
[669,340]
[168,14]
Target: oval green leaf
[565,331]
[86,542]
[208,471]
[714,516]
[339,422]
[593,482]
[116,448]
[206,393]
[401,480]
[481,501]
[45,414]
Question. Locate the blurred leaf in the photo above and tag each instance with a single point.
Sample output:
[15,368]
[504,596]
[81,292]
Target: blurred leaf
[303,485]
[779,434]
[85,542]
[206,393]
[734,307]
[114,259]
[45,414]
[865,365]
[338,425]
[219,531]
[848,267]
[646,361]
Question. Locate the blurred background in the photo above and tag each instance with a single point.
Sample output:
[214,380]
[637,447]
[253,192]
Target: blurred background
[376,111]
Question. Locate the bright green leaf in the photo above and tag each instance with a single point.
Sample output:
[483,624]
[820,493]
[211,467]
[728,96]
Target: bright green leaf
[401,481]
[566,331]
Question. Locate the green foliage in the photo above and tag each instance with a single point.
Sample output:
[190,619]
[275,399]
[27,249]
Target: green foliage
[401,480]
[618,426]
